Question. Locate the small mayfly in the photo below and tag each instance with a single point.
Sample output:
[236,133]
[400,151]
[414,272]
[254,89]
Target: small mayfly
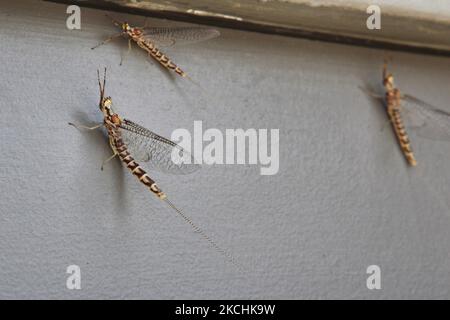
[405,110]
[132,142]
[149,38]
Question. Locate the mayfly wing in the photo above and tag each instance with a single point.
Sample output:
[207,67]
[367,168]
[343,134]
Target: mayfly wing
[156,152]
[371,93]
[425,119]
[170,36]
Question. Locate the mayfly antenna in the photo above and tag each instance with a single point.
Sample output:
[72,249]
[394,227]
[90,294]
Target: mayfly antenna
[101,87]
[117,23]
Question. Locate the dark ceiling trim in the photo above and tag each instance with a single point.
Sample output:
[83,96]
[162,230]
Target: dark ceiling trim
[256,27]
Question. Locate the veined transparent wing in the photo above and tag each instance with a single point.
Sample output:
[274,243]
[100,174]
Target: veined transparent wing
[155,152]
[428,121]
[169,36]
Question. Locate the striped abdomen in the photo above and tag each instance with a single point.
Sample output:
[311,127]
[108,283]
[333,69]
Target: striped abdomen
[135,168]
[402,136]
[160,57]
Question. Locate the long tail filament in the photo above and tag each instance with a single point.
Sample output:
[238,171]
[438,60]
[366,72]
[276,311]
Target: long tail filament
[197,229]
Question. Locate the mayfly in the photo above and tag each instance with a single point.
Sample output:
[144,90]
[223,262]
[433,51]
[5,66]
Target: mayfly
[406,111]
[149,38]
[131,143]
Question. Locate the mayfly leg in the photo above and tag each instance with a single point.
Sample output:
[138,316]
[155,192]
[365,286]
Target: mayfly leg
[377,96]
[83,127]
[113,37]
[108,160]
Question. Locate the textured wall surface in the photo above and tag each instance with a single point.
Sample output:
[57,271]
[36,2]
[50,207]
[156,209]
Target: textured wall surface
[343,199]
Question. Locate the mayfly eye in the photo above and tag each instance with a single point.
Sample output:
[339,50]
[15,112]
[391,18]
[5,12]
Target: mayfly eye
[107,102]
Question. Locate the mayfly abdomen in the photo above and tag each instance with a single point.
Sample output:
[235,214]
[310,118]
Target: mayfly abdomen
[402,136]
[135,168]
[160,57]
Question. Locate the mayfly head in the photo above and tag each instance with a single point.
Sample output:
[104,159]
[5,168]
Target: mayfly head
[134,32]
[388,78]
[125,27]
[388,82]
[108,112]
[105,103]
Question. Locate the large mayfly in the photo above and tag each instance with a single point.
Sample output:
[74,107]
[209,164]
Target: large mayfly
[149,38]
[406,111]
[131,143]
